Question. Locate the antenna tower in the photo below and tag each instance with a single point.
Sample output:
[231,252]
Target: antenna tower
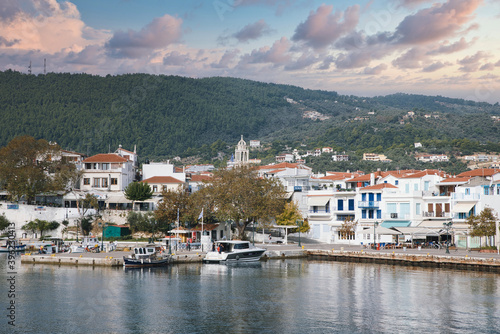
[44,66]
[29,68]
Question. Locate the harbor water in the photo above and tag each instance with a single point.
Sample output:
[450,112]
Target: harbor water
[290,296]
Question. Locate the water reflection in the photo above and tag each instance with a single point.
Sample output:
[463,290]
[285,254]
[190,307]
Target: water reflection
[290,296]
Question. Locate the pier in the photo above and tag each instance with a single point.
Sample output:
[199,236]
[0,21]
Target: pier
[457,259]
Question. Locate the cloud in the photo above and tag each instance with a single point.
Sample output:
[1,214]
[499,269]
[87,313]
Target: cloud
[437,22]
[446,48]
[435,66]
[305,60]
[175,58]
[411,3]
[375,70]
[90,55]
[45,25]
[227,58]
[5,42]
[487,67]
[322,28]
[252,31]
[276,54]
[410,59]
[472,63]
[161,32]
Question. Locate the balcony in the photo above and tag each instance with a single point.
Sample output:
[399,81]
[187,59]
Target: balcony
[431,214]
[395,215]
[317,213]
[369,204]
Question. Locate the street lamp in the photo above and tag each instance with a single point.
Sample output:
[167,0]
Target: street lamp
[102,237]
[299,224]
[375,224]
[447,227]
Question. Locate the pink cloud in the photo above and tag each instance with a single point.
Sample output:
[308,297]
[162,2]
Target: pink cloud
[323,27]
[446,48]
[440,21]
[276,54]
[252,31]
[161,32]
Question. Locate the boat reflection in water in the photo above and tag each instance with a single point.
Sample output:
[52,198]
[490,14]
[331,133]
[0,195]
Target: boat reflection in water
[234,251]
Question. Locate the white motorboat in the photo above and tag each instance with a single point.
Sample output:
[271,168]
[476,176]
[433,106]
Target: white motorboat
[234,251]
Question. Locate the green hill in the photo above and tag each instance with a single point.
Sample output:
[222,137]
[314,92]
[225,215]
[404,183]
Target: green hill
[167,116]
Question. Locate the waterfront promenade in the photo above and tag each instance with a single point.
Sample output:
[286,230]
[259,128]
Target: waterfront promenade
[459,259]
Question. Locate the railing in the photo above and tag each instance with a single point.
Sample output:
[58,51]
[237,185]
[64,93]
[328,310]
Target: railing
[394,215]
[436,215]
[321,212]
[466,197]
[368,204]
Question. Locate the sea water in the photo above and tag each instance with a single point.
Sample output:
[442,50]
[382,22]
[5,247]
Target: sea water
[290,296]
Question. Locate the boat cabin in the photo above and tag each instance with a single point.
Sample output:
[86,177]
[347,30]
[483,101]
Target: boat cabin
[146,251]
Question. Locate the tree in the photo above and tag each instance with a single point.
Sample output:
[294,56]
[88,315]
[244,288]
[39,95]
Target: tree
[40,225]
[29,167]
[83,206]
[348,229]
[240,195]
[86,225]
[483,224]
[4,222]
[290,215]
[175,204]
[138,191]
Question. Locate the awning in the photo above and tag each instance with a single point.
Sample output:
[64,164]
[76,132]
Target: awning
[463,207]
[417,231]
[117,199]
[432,224]
[318,200]
[396,223]
[381,231]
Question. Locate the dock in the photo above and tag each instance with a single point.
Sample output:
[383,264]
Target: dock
[461,260]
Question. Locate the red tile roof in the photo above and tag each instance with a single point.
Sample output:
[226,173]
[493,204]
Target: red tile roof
[480,172]
[198,178]
[110,157]
[420,174]
[380,186]
[455,180]
[283,165]
[162,180]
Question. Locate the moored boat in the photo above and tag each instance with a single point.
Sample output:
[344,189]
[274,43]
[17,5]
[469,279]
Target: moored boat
[234,251]
[150,255]
[12,245]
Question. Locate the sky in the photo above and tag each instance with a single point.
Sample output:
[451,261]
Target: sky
[358,47]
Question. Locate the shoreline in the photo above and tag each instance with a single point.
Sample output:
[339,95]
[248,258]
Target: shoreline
[457,259]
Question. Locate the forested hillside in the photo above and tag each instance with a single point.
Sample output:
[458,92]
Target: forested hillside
[167,116]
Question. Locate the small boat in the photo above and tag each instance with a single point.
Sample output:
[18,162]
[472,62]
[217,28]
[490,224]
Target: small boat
[12,245]
[234,251]
[150,255]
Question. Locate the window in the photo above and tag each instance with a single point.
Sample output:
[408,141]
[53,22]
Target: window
[351,205]
[370,214]
[96,182]
[114,181]
[104,182]
[371,197]
[86,181]
[417,209]
[379,214]
[340,205]
[88,166]
[363,214]
[379,197]
[396,182]
[407,188]
[155,188]
[486,190]
[467,191]
[426,185]
[363,197]
[415,187]
[105,166]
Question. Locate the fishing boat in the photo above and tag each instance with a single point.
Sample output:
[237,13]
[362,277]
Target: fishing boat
[12,245]
[150,255]
[234,251]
